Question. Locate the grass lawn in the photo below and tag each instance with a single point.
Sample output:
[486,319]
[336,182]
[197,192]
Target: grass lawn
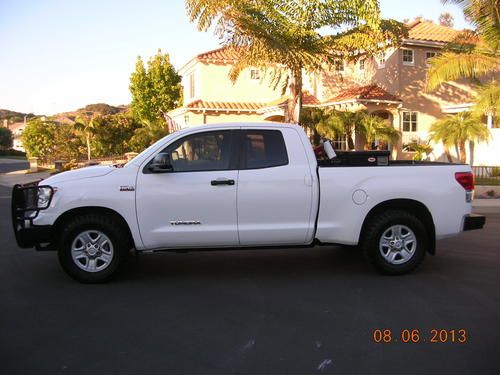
[42,169]
[487,181]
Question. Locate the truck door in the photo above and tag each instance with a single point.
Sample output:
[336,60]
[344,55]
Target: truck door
[275,188]
[195,204]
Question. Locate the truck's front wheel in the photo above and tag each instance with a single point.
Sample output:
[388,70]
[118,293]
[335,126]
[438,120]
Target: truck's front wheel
[91,249]
[395,242]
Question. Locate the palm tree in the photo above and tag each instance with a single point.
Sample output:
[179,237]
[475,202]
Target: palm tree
[421,150]
[473,54]
[375,128]
[456,130]
[281,37]
[148,133]
[88,126]
[341,123]
[488,103]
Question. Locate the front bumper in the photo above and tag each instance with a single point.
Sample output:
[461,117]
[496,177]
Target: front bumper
[474,221]
[23,211]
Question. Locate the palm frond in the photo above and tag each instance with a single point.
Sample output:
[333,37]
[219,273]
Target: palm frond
[488,102]
[485,15]
[450,66]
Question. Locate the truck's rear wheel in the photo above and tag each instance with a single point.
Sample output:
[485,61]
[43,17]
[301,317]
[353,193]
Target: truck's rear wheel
[395,242]
[92,249]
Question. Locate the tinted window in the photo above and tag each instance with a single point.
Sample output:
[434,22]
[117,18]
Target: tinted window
[201,152]
[263,149]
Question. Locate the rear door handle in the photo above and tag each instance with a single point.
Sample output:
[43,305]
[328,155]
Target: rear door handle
[222,181]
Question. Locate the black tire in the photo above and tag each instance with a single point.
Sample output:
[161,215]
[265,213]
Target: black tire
[106,225]
[380,225]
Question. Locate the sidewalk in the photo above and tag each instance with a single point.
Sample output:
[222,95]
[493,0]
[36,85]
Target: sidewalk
[20,177]
[4,160]
[492,202]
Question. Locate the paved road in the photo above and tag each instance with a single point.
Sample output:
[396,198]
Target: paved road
[10,165]
[303,311]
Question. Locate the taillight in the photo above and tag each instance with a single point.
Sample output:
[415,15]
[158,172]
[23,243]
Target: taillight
[466,179]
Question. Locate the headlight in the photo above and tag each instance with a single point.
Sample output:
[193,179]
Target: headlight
[45,196]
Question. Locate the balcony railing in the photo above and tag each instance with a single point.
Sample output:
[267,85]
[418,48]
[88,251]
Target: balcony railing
[411,137]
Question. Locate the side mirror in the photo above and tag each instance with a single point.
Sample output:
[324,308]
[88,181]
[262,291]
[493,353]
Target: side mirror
[161,164]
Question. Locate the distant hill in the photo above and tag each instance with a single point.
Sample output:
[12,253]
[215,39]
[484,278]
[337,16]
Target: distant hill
[13,116]
[103,109]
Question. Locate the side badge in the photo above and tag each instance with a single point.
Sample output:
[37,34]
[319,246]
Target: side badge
[127,188]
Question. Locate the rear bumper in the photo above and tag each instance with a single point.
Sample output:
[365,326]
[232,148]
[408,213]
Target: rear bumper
[474,221]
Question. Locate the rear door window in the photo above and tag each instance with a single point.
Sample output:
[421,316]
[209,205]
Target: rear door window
[262,149]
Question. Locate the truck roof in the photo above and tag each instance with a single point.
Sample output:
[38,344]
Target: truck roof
[233,124]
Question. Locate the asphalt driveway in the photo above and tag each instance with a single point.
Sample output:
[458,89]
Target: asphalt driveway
[302,311]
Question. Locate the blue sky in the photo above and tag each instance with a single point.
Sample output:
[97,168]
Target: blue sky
[61,55]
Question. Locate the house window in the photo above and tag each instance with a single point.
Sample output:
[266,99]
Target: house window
[254,74]
[409,121]
[339,66]
[429,55]
[191,86]
[362,64]
[380,61]
[408,57]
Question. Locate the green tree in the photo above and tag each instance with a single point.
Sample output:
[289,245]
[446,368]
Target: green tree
[5,139]
[456,130]
[113,134]
[147,134]
[472,54]
[343,123]
[39,138]
[375,128]
[311,118]
[282,36]
[68,143]
[155,90]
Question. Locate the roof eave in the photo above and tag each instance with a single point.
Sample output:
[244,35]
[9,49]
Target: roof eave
[206,109]
[423,43]
[357,100]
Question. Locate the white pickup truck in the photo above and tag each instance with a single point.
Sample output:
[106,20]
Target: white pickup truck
[241,186]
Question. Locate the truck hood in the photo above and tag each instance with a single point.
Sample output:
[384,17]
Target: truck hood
[78,174]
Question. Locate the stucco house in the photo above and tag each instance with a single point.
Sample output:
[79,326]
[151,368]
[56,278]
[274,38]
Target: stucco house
[17,129]
[390,85]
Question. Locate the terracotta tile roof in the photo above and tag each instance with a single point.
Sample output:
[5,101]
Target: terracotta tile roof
[425,30]
[221,55]
[224,106]
[370,92]
[307,99]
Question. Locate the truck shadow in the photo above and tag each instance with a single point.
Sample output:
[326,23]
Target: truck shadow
[234,264]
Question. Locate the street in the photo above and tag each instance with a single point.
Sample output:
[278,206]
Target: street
[301,311]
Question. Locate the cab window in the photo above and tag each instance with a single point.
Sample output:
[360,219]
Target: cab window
[263,149]
[209,151]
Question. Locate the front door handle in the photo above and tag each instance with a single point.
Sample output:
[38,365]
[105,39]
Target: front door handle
[222,181]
